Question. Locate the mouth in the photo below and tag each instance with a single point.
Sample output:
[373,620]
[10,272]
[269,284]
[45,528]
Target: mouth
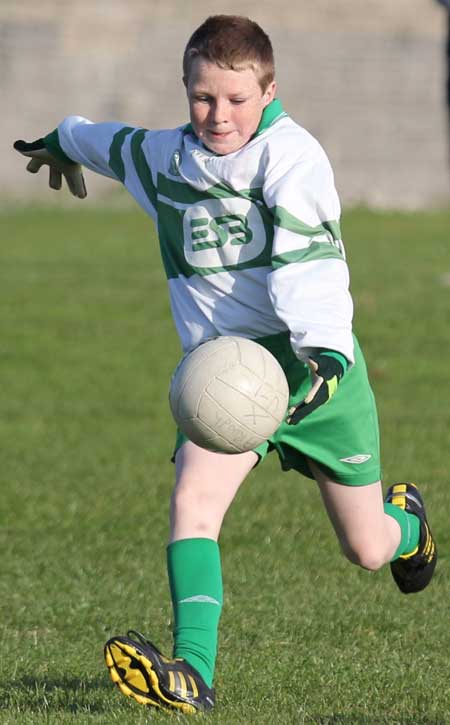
[218,135]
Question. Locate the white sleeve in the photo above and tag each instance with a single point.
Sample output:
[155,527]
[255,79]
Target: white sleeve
[89,143]
[309,284]
[115,150]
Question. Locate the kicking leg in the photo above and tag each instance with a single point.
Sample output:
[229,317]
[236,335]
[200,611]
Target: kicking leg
[373,531]
[367,535]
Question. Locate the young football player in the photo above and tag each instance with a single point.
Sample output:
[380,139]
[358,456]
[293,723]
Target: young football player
[248,222]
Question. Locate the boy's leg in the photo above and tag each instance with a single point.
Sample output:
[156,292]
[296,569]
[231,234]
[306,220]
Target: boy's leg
[206,484]
[368,537]
[373,531]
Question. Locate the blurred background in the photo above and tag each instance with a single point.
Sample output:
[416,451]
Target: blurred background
[367,78]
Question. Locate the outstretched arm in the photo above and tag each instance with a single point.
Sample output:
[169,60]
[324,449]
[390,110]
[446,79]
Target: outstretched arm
[76,143]
[111,149]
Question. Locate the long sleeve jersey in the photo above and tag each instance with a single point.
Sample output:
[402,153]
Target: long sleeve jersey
[250,241]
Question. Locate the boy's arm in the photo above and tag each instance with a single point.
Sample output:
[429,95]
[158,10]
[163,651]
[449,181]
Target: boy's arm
[75,143]
[309,284]
[115,150]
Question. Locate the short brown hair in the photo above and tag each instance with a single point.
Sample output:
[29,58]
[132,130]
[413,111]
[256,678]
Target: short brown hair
[232,42]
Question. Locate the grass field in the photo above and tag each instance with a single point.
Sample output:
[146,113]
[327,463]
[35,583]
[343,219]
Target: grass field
[86,352]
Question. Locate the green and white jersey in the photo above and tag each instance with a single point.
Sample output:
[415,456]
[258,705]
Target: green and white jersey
[250,241]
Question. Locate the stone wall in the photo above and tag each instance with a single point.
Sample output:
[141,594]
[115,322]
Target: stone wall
[365,76]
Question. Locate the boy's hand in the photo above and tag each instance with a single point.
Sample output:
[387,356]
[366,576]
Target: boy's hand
[40,156]
[326,373]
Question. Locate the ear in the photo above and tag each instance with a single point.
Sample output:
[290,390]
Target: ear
[269,93]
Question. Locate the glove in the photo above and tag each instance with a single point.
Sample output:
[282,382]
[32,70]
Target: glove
[40,156]
[327,369]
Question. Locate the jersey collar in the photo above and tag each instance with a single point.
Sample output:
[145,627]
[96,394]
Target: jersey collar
[271,114]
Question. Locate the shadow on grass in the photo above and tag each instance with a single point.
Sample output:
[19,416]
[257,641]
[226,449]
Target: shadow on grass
[71,694]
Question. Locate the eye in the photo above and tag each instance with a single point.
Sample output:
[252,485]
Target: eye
[237,101]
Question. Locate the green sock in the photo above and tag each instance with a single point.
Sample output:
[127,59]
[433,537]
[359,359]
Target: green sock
[195,578]
[409,527]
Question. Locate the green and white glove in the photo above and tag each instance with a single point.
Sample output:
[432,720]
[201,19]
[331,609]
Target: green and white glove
[40,156]
[327,370]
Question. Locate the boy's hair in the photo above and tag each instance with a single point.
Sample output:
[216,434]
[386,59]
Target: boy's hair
[232,42]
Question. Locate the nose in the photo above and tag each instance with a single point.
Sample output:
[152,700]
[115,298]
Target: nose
[218,112]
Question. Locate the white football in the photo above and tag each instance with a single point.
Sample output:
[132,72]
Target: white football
[229,395]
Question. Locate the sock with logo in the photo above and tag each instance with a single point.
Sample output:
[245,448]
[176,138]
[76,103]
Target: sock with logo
[195,578]
[409,527]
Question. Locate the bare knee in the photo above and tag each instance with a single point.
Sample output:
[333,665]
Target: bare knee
[366,555]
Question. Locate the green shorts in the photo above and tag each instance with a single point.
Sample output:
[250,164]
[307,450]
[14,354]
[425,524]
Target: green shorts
[342,436]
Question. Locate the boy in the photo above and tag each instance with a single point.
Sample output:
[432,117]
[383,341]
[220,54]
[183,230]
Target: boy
[248,222]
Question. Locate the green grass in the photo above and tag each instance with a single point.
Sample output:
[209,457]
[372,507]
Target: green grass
[86,353]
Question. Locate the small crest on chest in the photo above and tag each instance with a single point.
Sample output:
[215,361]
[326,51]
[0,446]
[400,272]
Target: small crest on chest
[174,166]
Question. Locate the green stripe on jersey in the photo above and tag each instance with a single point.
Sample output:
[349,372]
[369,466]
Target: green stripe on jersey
[284,219]
[329,248]
[142,168]
[115,152]
[182,193]
[314,251]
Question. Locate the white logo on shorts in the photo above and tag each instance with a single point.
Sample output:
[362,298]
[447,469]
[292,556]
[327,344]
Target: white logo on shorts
[359,458]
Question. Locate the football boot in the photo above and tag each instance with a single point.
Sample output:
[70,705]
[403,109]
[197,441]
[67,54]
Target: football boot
[142,672]
[412,572]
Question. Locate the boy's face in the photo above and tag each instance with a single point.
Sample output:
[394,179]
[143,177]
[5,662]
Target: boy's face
[225,105]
